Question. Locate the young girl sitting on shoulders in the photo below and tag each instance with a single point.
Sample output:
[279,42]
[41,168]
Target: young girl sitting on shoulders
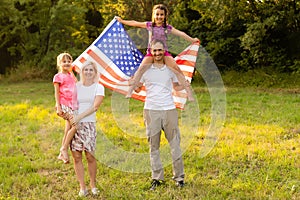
[159,29]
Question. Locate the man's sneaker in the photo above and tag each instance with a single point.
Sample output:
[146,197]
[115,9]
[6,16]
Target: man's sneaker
[180,184]
[155,183]
[95,191]
[83,193]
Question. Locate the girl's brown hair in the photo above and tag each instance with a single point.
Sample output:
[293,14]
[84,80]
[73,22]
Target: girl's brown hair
[161,7]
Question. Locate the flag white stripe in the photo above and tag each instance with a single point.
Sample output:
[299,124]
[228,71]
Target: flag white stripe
[187,57]
[186,68]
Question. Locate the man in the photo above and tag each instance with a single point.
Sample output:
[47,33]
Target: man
[160,114]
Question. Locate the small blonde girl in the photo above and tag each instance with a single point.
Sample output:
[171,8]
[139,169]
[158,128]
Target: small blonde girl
[65,97]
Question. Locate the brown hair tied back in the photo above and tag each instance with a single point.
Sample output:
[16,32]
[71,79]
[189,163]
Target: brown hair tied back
[161,7]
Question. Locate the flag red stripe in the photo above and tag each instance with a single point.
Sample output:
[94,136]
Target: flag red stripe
[134,95]
[113,88]
[82,59]
[179,105]
[76,68]
[104,65]
[185,62]
[114,83]
[107,79]
[188,74]
[189,52]
[139,97]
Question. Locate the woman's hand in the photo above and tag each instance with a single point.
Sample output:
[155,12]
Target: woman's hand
[73,120]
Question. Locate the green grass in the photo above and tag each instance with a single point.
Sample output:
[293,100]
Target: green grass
[257,155]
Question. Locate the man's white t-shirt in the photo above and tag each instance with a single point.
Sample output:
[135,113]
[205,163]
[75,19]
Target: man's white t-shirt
[159,85]
[86,96]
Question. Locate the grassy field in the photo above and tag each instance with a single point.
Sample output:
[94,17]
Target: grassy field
[257,154]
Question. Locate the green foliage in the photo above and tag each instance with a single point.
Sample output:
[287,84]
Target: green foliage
[239,35]
[43,29]
[263,44]
[244,35]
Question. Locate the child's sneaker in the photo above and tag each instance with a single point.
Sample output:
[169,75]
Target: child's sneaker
[83,193]
[95,191]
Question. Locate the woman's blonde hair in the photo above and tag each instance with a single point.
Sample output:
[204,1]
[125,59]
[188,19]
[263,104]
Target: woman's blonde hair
[60,57]
[97,74]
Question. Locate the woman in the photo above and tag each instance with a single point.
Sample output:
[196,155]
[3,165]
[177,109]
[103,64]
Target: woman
[90,95]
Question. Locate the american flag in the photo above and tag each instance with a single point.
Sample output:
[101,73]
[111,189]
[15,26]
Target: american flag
[117,58]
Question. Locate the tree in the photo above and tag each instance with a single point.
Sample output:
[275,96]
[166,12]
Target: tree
[8,38]
[272,40]
[243,35]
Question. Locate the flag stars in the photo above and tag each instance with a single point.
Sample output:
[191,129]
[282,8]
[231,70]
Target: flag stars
[117,45]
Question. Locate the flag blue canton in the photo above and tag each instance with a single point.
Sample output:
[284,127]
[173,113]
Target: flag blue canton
[120,49]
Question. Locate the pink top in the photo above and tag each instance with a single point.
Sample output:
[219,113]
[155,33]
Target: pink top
[159,33]
[67,89]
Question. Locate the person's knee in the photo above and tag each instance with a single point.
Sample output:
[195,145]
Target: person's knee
[77,157]
[154,144]
[90,158]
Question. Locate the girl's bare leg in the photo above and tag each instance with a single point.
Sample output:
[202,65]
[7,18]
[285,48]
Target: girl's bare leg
[171,64]
[146,63]
[64,148]
[63,155]
[71,130]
